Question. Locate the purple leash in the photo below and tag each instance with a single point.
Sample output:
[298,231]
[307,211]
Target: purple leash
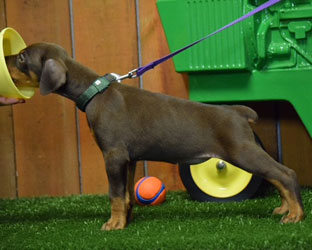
[141,70]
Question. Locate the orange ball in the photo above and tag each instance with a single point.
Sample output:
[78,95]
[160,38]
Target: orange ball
[149,191]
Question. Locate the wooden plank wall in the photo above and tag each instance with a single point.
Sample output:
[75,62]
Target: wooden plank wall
[46,147]
[44,128]
[7,157]
[296,144]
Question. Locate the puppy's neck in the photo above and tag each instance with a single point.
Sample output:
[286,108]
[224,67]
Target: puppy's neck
[79,78]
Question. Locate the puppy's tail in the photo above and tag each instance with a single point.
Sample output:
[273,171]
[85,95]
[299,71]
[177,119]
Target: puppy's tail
[246,112]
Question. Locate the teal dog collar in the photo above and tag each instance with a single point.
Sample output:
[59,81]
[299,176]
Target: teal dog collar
[98,86]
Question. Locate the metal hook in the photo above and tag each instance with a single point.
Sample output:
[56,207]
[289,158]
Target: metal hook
[132,74]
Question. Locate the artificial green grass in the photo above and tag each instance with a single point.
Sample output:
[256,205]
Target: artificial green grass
[180,223]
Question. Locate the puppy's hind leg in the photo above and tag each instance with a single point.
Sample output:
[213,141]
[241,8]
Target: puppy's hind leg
[254,159]
[116,162]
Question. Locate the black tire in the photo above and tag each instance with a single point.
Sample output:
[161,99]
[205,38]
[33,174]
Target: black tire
[198,194]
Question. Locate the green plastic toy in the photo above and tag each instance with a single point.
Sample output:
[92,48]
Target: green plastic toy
[266,57]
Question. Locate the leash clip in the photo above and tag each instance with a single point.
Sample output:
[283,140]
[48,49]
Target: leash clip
[131,75]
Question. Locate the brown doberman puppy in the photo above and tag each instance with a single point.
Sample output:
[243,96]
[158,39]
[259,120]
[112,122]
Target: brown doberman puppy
[130,124]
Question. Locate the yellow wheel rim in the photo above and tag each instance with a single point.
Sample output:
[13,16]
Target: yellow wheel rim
[219,178]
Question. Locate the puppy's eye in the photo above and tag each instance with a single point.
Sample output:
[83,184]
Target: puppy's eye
[21,58]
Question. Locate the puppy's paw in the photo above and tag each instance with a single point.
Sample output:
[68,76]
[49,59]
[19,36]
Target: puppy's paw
[114,224]
[280,210]
[292,218]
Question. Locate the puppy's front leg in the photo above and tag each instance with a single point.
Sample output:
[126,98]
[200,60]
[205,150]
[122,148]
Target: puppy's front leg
[130,200]
[116,167]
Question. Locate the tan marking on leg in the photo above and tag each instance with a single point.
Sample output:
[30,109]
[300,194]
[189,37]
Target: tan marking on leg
[295,214]
[289,203]
[118,218]
[283,209]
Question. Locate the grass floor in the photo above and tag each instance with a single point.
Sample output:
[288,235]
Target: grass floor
[180,223]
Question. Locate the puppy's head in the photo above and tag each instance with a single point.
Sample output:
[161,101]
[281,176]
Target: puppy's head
[39,65]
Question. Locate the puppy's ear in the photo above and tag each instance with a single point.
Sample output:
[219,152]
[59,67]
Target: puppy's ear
[53,76]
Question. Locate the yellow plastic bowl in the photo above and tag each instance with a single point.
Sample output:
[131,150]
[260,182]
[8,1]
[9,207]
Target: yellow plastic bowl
[11,43]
